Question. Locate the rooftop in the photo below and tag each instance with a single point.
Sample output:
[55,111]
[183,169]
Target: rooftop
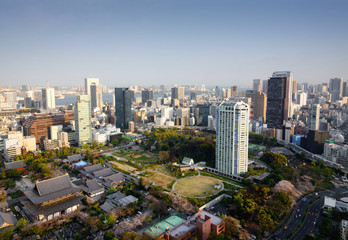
[163,226]
[330,202]
[51,189]
[6,218]
[15,165]
[93,168]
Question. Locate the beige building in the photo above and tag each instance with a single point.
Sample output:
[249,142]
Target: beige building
[234,91]
[260,105]
[29,143]
[131,126]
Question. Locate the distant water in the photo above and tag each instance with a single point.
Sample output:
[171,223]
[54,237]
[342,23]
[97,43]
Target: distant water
[107,97]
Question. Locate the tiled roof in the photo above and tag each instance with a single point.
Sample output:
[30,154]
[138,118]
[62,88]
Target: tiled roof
[7,218]
[104,172]
[93,185]
[93,168]
[51,189]
[14,165]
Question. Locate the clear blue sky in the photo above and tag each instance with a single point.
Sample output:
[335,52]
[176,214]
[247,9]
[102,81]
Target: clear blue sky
[171,41]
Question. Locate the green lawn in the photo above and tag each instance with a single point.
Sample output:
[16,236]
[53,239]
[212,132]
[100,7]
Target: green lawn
[198,186]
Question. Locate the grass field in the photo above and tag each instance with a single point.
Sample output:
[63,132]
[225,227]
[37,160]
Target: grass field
[138,156]
[198,186]
[158,179]
[257,147]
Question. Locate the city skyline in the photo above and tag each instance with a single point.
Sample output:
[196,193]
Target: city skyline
[171,42]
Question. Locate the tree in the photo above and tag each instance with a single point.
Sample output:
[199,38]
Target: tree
[283,198]
[109,235]
[22,223]
[111,219]
[7,234]
[264,219]
[115,142]
[3,173]
[164,156]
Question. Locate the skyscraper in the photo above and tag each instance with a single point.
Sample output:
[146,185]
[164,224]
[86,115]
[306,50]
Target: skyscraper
[146,95]
[234,91]
[314,114]
[265,86]
[232,136]
[48,98]
[89,82]
[260,104]
[83,126]
[96,96]
[336,89]
[257,85]
[178,93]
[279,99]
[123,107]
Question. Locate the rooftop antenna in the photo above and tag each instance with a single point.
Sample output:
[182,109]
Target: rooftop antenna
[47,85]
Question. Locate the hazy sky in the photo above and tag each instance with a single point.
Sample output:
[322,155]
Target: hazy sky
[171,41]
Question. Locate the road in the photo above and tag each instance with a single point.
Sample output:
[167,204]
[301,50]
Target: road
[312,216]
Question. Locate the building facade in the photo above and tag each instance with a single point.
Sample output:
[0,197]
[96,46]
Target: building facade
[279,98]
[83,128]
[123,106]
[260,105]
[48,98]
[314,114]
[232,136]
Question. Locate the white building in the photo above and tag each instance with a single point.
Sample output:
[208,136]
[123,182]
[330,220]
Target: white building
[12,147]
[301,98]
[48,98]
[232,136]
[88,83]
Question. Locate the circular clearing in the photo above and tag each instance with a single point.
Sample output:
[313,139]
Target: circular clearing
[198,186]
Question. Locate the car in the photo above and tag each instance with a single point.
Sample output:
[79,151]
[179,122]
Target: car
[286,227]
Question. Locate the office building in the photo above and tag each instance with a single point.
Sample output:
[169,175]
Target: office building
[313,119]
[336,89]
[83,126]
[265,86]
[39,124]
[257,85]
[260,105]
[301,98]
[279,98]
[48,98]
[234,91]
[314,141]
[88,83]
[178,93]
[232,135]
[123,107]
[201,113]
[146,95]
[96,96]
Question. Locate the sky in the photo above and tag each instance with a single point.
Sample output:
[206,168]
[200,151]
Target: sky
[153,42]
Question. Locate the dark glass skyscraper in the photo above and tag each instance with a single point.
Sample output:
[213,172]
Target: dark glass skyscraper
[279,99]
[123,107]
[146,95]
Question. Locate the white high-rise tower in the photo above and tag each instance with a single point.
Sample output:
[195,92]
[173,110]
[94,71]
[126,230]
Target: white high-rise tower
[232,136]
[48,98]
